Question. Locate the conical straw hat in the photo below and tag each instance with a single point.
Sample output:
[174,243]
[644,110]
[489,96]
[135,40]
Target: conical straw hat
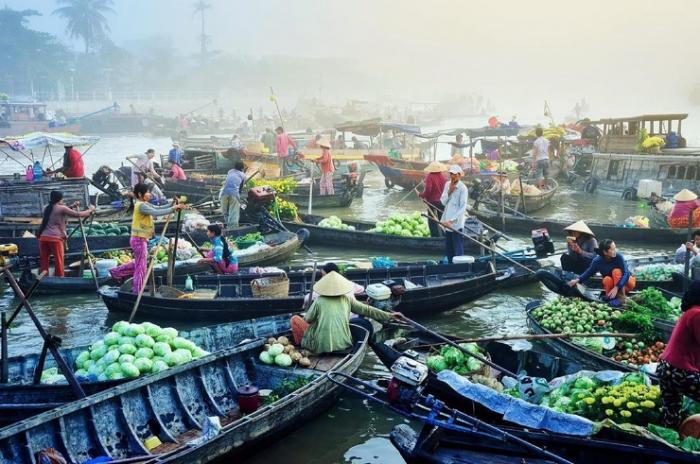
[333,284]
[324,142]
[685,195]
[580,226]
[435,167]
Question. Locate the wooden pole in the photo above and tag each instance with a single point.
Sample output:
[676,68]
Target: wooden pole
[689,237]
[535,337]
[87,254]
[4,370]
[150,269]
[171,268]
[311,191]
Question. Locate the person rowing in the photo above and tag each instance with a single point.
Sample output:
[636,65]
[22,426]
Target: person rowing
[581,245]
[617,279]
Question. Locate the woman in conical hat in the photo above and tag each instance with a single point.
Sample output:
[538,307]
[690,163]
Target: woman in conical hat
[581,245]
[686,202]
[434,182]
[325,327]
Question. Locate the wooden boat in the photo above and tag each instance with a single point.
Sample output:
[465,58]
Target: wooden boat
[620,234]
[362,239]
[575,352]
[176,406]
[230,298]
[404,173]
[22,397]
[527,203]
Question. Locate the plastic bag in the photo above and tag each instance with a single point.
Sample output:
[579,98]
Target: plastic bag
[532,389]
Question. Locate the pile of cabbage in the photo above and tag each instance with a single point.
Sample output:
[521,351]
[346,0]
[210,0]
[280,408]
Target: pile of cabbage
[132,350]
[404,225]
[661,271]
[282,352]
[455,359]
[334,222]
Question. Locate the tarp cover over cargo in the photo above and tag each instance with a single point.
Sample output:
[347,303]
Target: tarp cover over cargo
[36,140]
[372,127]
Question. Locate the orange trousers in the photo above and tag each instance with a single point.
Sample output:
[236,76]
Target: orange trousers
[50,246]
[610,281]
[299,327]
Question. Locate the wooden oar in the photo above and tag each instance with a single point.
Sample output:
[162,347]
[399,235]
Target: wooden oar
[507,258]
[307,301]
[150,269]
[689,237]
[147,174]
[171,267]
[87,253]
[535,337]
[482,223]
[447,341]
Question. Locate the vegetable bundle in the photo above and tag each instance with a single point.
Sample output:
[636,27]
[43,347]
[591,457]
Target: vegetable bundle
[282,352]
[131,350]
[97,229]
[660,307]
[334,222]
[656,271]
[453,358]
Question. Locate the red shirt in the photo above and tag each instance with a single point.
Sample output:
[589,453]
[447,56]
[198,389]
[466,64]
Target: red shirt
[326,161]
[77,168]
[434,185]
[683,349]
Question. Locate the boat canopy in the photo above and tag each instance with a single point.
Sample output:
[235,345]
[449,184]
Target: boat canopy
[489,132]
[36,140]
[646,117]
[373,127]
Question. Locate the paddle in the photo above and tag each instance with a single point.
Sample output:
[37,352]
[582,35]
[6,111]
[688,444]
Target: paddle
[534,337]
[482,223]
[686,268]
[309,298]
[150,269]
[87,254]
[507,258]
[409,194]
[456,345]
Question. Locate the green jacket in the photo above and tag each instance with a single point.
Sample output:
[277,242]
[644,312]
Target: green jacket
[329,319]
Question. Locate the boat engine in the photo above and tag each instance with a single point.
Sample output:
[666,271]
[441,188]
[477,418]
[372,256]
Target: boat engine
[408,381]
[385,296]
[8,255]
[544,246]
[254,209]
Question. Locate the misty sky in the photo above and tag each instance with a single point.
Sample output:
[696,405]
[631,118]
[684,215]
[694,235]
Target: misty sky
[610,51]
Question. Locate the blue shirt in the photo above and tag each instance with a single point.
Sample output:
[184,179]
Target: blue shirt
[605,267]
[232,186]
[175,156]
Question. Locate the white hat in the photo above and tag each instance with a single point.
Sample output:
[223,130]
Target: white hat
[580,226]
[324,142]
[685,195]
[176,144]
[455,169]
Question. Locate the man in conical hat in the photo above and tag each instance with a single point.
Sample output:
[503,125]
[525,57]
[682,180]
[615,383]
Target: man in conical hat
[325,327]
[581,245]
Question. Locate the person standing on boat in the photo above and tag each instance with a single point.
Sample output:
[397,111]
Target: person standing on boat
[454,197]
[175,160]
[220,255]
[540,157]
[357,144]
[269,140]
[686,201]
[143,229]
[52,232]
[73,165]
[581,245]
[457,146]
[432,193]
[679,365]
[325,164]
[143,164]
[617,279]
[231,194]
[325,328]
[283,143]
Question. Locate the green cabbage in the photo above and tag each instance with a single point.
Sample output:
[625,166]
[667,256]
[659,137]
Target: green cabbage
[81,373]
[88,363]
[144,341]
[436,363]
[82,357]
[184,356]
[585,383]
[144,353]
[170,359]
[169,332]
[127,341]
[158,366]
[144,365]
[151,329]
[111,356]
[283,360]
[126,358]
[115,376]
[134,330]
[96,345]
[95,369]
[474,364]
[198,352]
[102,377]
[129,370]
[471,347]
[161,349]
[111,338]
[127,348]
[453,356]
[98,352]
[112,368]
[164,339]
[266,358]
[120,326]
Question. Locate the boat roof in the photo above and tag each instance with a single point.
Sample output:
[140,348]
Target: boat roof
[680,155]
[495,132]
[645,117]
[372,127]
[20,103]
[36,140]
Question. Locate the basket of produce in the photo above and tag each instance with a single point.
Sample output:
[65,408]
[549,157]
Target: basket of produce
[270,287]
[248,240]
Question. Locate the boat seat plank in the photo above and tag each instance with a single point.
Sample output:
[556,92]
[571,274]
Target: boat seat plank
[326,362]
[166,405]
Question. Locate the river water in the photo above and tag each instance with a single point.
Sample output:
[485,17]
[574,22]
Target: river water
[353,431]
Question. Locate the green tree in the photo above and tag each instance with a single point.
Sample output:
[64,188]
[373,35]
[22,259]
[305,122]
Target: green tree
[86,19]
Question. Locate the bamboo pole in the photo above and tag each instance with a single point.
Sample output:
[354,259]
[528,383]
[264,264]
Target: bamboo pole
[534,337]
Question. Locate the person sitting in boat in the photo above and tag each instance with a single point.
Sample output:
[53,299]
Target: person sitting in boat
[686,201]
[358,144]
[73,165]
[325,164]
[617,279]
[313,143]
[432,192]
[581,245]
[454,197]
[679,365]
[325,328]
[143,229]
[52,232]
[175,160]
[693,247]
[501,183]
[220,256]
[156,193]
[332,267]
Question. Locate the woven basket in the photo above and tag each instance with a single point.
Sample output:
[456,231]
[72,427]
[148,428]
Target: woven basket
[270,287]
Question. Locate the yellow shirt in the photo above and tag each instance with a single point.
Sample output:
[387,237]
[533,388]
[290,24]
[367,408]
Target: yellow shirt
[142,224]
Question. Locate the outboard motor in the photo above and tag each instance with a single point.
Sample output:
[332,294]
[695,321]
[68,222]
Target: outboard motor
[105,179]
[255,207]
[382,297]
[409,379]
[543,243]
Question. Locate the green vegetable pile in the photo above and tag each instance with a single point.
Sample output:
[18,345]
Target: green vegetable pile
[131,350]
[637,319]
[97,229]
[656,271]
[672,437]
[334,222]
[282,352]
[413,225]
[454,359]
[660,307]
[287,387]
[248,239]
[568,315]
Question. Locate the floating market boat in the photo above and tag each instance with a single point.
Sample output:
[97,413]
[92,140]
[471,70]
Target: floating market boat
[157,417]
[522,224]
[527,203]
[230,298]
[362,239]
[23,396]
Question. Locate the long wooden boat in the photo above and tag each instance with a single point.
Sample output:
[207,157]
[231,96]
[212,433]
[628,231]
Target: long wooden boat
[230,298]
[176,406]
[575,352]
[362,239]
[528,203]
[21,397]
[404,173]
[622,235]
